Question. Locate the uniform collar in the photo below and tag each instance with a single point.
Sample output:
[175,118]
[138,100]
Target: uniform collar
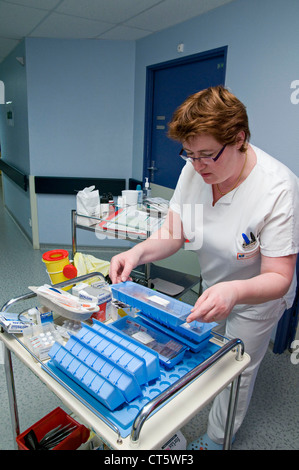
[226,199]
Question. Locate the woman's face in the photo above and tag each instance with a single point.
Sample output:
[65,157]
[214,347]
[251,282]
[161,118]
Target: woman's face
[203,149]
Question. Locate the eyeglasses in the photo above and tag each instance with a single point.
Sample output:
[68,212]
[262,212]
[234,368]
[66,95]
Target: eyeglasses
[187,157]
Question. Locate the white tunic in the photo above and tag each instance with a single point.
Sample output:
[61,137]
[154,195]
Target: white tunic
[265,208]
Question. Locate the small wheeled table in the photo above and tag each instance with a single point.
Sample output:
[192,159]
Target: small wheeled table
[159,418]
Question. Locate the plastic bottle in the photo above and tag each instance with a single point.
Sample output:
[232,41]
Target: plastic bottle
[139,197]
[147,189]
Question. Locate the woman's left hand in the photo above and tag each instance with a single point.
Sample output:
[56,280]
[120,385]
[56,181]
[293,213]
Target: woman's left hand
[215,303]
[273,282]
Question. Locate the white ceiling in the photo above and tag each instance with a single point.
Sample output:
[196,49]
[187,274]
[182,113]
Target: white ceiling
[97,19]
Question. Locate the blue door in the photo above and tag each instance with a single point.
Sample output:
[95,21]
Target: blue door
[168,85]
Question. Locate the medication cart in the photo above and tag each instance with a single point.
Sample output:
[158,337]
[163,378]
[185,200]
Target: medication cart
[135,381]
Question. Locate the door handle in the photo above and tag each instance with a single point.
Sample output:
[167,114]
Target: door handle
[152,169]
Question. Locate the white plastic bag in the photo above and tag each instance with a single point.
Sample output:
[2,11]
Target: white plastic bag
[88,204]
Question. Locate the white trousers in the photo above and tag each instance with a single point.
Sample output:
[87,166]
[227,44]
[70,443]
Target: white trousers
[256,335]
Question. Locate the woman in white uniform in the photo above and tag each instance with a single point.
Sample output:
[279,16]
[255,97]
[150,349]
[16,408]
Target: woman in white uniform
[237,207]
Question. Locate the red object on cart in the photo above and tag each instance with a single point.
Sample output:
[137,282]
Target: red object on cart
[79,435]
[70,271]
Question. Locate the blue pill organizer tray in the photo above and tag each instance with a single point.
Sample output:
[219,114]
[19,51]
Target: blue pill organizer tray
[170,350]
[117,368]
[164,313]
[153,304]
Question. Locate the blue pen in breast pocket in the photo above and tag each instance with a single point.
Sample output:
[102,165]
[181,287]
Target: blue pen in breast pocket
[246,239]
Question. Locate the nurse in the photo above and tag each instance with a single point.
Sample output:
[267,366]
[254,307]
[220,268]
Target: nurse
[246,237]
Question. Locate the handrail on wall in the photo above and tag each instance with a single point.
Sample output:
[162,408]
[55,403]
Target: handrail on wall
[62,185]
[14,174]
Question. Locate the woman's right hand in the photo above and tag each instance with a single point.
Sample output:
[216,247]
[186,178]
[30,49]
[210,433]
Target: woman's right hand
[121,266]
[159,245]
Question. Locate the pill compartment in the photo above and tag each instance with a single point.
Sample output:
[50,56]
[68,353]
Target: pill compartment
[68,327]
[170,350]
[40,339]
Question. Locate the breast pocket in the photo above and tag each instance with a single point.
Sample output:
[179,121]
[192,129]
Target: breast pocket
[248,253]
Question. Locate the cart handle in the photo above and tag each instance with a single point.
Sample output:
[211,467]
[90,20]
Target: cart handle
[151,406]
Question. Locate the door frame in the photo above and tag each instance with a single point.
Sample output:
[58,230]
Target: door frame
[149,95]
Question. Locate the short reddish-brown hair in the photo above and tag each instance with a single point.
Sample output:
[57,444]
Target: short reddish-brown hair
[214,111]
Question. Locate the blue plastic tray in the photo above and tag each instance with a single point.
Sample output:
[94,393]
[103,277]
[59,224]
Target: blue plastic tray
[172,316]
[120,355]
[162,308]
[170,351]
[194,339]
[85,377]
[123,416]
[109,367]
[123,379]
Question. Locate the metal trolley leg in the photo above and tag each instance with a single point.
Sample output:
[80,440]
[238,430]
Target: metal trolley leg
[11,393]
[231,413]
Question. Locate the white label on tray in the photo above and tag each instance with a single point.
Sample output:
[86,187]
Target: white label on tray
[159,300]
[143,337]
